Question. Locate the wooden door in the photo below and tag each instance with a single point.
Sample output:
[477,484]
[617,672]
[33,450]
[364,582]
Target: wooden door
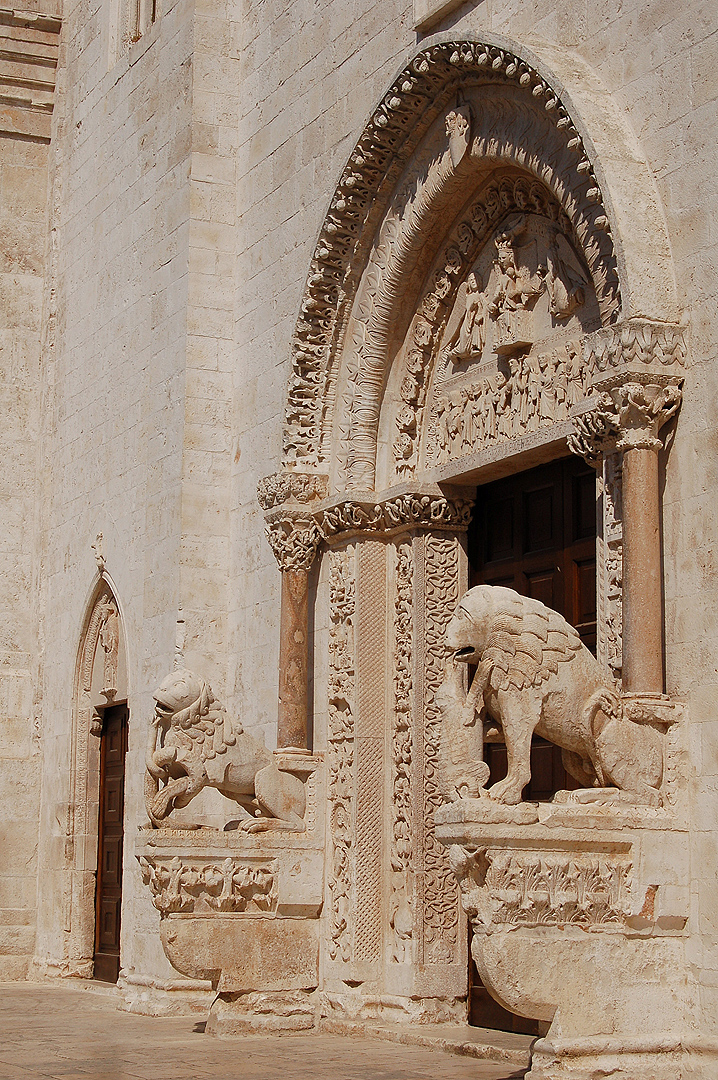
[108,897]
[536,533]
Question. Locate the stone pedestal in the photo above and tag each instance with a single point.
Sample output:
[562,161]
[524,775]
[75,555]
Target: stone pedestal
[579,915]
[242,911]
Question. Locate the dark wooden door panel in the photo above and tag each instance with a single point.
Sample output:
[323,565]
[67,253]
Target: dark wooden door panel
[108,901]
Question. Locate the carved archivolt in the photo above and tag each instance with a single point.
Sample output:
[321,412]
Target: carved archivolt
[522,123]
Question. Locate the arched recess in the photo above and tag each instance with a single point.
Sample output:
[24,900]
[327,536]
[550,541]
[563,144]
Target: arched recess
[411,186]
[100,682]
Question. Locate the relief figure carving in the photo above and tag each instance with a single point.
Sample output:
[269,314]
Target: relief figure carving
[535,392]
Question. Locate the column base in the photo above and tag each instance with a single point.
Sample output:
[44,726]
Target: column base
[262,1013]
[667,1057]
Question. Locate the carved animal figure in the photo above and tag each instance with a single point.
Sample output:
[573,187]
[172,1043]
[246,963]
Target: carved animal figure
[194,744]
[534,674]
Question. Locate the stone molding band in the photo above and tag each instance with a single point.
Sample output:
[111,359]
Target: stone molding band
[295,534]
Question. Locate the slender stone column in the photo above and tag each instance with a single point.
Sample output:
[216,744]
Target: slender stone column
[642,599]
[641,409]
[294,660]
[629,416]
[294,538]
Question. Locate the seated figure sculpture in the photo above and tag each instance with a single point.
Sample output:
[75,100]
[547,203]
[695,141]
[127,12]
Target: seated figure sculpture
[193,744]
[535,675]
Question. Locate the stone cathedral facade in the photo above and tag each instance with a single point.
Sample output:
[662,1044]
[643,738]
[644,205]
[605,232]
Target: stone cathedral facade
[315,316]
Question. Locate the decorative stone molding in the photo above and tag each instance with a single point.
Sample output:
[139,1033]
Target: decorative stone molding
[541,888]
[232,886]
[635,343]
[440,909]
[555,154]
[401,907]
[291,486]
[341,739]
[394,514]
[294,539]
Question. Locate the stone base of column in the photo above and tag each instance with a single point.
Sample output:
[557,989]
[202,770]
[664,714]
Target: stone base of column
[666,1057]
[262,1013]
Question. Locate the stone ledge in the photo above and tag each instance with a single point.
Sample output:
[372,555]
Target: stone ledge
[460,1039]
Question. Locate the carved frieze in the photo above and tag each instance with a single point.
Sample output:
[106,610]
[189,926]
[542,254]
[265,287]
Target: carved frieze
[397,513]
[504,887]
[192,885]
[558,155]
[532,392]
[636,343]
[341,739]
[401,913]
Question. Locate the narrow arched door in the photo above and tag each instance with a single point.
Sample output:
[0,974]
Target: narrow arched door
[108,896]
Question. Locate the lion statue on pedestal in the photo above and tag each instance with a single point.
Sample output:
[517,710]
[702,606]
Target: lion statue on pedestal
[535,675]
[193,744]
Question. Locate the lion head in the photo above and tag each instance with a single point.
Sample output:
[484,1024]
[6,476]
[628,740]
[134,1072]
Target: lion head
[184,701]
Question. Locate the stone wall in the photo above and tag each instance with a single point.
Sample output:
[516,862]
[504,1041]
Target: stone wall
[29,53]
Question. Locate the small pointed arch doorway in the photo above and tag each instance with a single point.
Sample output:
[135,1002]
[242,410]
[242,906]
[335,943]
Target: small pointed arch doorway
[99,746]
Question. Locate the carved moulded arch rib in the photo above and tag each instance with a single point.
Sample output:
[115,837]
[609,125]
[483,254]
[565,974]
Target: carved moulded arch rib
[521,125]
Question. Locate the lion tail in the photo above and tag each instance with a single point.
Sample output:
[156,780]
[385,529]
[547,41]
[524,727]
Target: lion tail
[603,705]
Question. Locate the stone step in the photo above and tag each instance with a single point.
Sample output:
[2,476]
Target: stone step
[498,1046]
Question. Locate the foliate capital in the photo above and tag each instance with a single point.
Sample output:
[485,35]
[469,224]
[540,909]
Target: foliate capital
[291,486]
[640,410]
[294,538]
[627,415]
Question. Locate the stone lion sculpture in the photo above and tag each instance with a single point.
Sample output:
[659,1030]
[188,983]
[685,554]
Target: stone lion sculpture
[194,744]
[535,675]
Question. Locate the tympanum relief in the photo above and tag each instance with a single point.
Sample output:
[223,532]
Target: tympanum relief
[509,360]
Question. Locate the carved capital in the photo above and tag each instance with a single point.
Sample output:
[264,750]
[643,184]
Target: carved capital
[639,410]
[628,415]
[595,434]
[291,486]
[294,539]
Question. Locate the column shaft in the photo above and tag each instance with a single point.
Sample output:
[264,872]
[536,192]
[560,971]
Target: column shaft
[293,660]
[642,594]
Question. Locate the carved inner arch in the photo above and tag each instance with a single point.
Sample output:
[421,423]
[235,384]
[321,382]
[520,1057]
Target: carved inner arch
[100,695]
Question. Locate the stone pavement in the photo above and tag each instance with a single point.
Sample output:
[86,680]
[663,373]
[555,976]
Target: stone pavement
[60,1032]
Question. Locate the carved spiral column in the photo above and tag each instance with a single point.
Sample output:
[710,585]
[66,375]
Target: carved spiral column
[638,389]
[294,537]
